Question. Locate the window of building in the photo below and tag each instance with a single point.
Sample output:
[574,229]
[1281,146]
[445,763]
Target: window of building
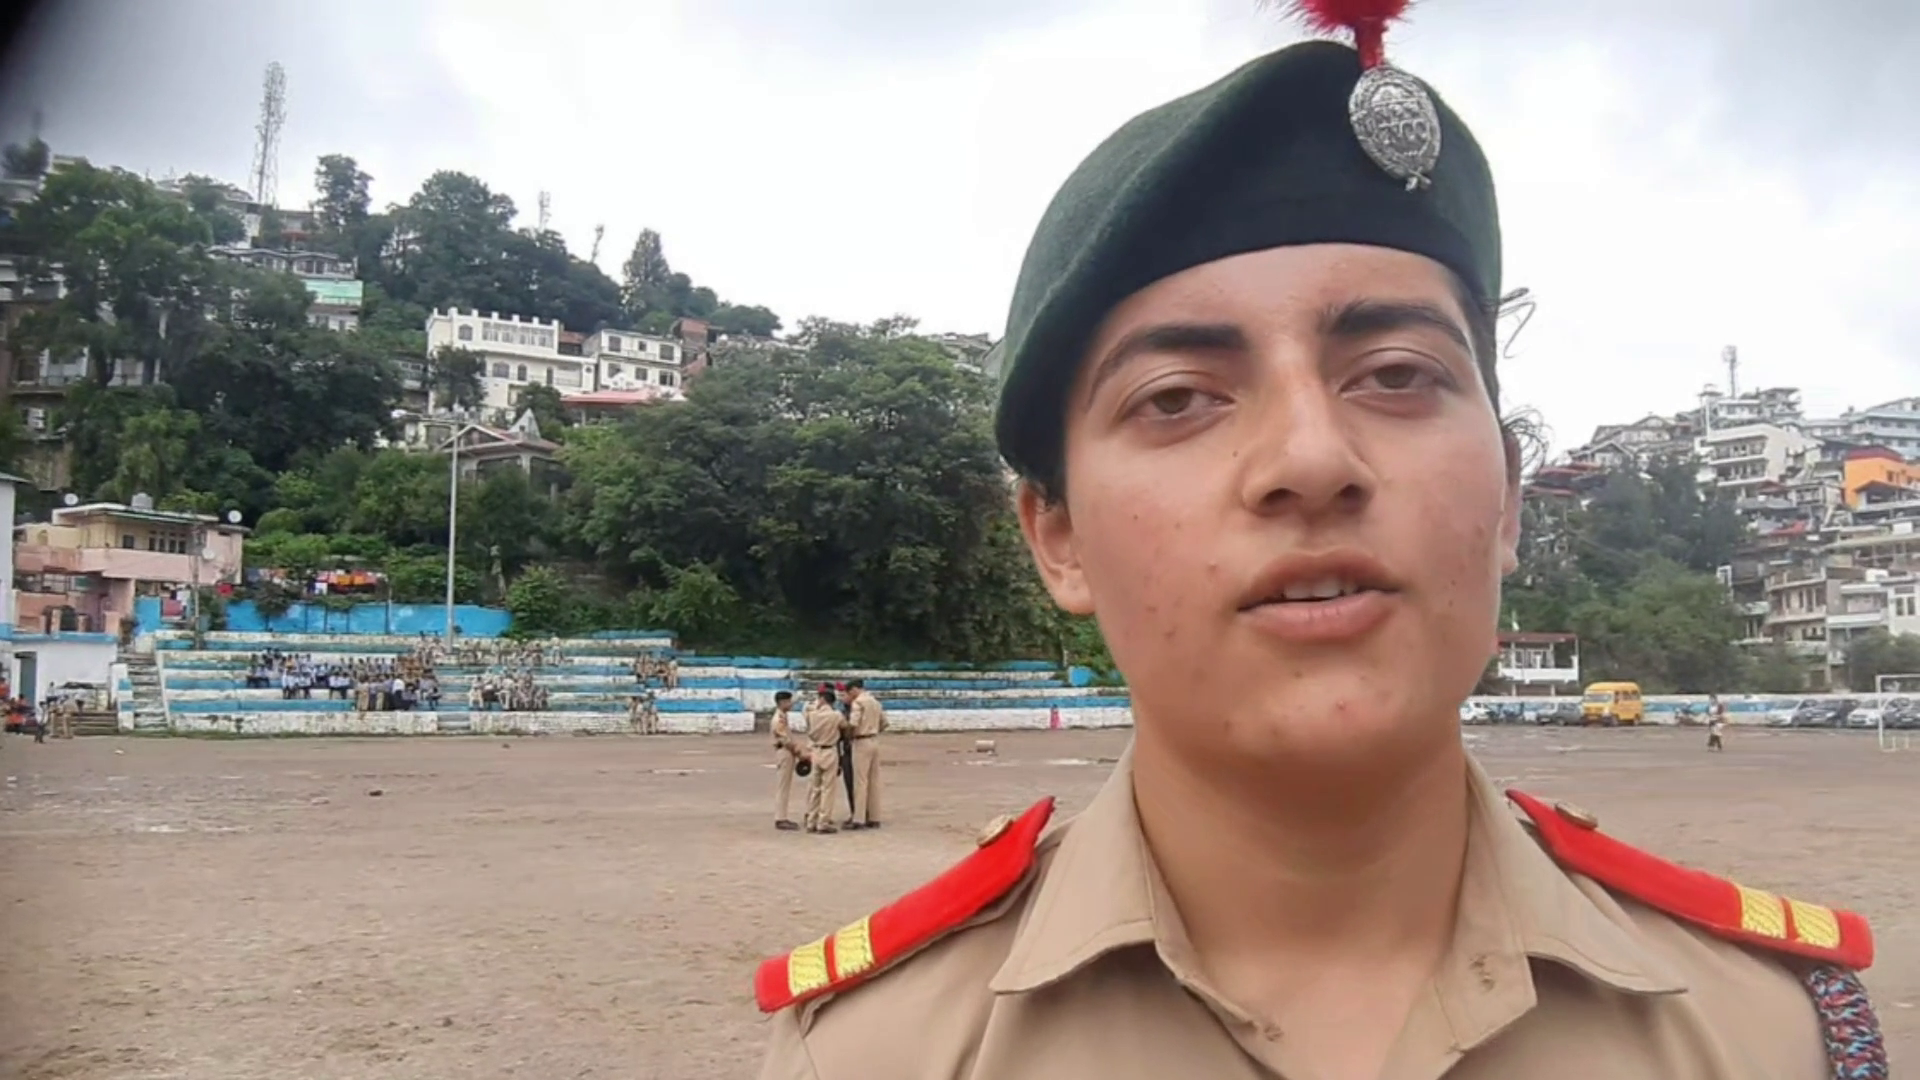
[666,353]
[522,376]
[499,369]
[613,343]
[466,333]
[666,378]
[126,541]
[613,371]
[549,376]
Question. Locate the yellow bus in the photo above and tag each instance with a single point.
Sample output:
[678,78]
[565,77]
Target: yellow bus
[1612,703]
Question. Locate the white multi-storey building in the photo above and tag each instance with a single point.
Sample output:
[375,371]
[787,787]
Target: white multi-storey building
[1778,405]
[625,360]
[515,353]
[1743,460]
[1894,425]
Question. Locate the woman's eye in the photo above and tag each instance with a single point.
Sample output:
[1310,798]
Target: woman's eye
[1402,377]
[1173,401]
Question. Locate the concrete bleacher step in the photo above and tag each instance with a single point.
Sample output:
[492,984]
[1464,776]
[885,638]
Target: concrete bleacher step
[92,724]
[590,690]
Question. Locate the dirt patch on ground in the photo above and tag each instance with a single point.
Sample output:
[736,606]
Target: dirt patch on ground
[582,907]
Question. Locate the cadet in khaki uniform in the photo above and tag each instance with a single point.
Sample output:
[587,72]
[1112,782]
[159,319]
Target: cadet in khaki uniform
[825,726]
[789,747]
[1249,390]
[867,719]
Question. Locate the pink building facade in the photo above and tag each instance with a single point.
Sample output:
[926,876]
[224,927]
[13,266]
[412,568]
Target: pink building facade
[82,571]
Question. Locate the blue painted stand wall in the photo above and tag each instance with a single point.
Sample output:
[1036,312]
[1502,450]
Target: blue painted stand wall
[472,620]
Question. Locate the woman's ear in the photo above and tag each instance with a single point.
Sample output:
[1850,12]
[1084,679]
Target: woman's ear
[1048,529]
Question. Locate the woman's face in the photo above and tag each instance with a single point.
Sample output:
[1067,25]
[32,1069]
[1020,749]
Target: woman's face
[1289,503]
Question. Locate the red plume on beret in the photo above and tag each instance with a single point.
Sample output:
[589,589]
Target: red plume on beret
[1366,19]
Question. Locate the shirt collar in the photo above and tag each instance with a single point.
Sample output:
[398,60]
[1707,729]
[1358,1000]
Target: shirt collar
[1102,892]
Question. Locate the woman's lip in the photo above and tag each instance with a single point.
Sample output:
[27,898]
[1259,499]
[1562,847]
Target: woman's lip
[1322,621]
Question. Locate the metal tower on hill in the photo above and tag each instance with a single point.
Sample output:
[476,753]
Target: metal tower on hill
[266,145]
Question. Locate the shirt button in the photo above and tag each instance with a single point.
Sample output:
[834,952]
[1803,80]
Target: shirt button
[995,829]
[1576,816]
[1483,971]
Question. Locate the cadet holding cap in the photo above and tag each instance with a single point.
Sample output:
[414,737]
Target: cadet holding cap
[1249,390]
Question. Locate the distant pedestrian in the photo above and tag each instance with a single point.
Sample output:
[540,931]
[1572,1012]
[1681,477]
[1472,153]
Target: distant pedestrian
[1716,723]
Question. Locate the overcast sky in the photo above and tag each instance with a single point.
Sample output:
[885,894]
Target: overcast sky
[1675,175]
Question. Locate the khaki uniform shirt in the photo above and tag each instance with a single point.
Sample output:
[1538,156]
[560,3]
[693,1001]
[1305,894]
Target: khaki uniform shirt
[868,717]
[823,725]
[783,733]
[1084,972]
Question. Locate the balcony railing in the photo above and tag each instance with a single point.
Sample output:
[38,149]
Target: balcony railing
[48,380]
[1568,675]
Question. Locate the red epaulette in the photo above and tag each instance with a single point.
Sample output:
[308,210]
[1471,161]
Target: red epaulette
[861,950]
[1721,907]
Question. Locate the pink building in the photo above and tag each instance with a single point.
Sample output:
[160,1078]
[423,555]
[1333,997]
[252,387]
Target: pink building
[81,571]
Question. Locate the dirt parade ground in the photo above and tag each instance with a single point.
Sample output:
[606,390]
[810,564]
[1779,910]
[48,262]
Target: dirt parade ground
[594,907]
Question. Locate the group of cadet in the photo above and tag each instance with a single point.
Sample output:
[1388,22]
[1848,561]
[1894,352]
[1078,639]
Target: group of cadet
[836,740]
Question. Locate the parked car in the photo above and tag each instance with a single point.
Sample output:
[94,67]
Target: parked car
[1560,712]
[1902,713]
[1817,712]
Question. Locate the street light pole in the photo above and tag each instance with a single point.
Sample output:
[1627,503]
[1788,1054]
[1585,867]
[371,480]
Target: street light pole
[453,522]
[193,590]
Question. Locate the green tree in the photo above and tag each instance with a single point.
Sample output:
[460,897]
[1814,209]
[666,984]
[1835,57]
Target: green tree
[453,378]
[136,282]
[505,520]
[268,381]
[645,276]
[402,497]
[542,601]
[207,198]
[453,245]
[13,439]
[26,161]
[273,230]
[754,321]
[343,198]
[544,403]
[851,490]
[697,602]
[1774,669]
[154,448]
[1670,629]
[1880,653]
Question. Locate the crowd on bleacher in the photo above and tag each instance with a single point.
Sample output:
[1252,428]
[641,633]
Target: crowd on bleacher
[650,668]
[489,652]
[408,680]
[373,685]
[514,692]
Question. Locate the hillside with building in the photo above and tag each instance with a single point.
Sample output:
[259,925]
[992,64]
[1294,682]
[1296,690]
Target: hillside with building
[349,392]
[1825,559]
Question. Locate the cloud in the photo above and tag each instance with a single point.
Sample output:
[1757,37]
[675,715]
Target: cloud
[176,87]
[1674,177]
[860,33]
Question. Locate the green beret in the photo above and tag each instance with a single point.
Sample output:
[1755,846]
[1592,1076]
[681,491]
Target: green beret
[1266,157]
